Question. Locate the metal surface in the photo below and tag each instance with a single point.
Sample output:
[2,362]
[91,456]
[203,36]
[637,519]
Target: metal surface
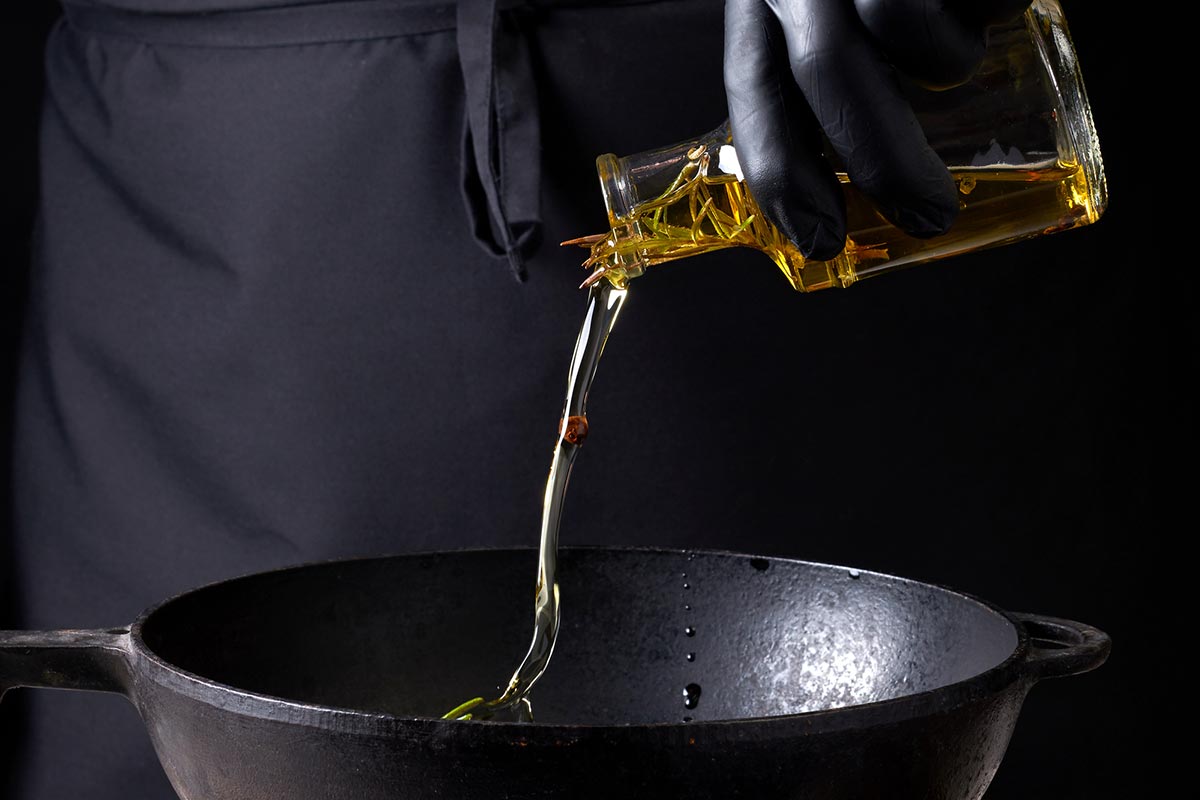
[815,681]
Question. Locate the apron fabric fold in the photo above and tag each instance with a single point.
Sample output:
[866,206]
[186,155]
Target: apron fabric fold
[501,142]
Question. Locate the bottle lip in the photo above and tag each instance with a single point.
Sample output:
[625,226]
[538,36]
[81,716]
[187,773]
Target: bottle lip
[615,188]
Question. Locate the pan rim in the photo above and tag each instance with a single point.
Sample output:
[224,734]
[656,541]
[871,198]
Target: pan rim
[258,705]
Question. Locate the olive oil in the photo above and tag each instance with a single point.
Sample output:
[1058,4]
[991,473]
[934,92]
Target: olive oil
[705,208]
[604,304]
[1022,131]
[700,212]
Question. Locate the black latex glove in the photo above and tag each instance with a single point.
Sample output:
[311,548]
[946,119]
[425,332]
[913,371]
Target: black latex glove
[796,67]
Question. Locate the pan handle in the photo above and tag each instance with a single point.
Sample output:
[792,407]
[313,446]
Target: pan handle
[97,661]
[1061,647]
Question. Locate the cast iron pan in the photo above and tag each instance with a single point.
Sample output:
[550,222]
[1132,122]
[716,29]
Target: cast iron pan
[325,682]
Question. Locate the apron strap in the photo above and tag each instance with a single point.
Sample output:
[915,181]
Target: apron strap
[501,165]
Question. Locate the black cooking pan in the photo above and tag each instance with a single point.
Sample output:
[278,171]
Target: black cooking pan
[804,681]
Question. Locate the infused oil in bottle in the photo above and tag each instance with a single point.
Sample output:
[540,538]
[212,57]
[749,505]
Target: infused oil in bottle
[1018,139]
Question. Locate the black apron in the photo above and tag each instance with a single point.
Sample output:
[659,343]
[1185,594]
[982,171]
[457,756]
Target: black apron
[297,295]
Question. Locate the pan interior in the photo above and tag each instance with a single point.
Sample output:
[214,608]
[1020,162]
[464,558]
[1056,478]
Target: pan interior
[416,635]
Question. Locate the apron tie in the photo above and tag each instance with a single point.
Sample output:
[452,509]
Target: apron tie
[501,164]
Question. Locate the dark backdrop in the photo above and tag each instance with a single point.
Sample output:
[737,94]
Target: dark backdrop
[954,460]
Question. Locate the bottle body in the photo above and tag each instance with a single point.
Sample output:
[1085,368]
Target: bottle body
[1018,139]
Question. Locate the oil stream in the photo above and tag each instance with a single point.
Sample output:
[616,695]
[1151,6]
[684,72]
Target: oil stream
[604,304]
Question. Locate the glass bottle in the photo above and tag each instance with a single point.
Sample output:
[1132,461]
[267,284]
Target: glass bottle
[1018,139]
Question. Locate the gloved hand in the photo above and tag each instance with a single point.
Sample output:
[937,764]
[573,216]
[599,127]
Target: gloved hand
[796,67]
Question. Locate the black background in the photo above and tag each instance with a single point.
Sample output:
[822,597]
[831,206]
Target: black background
[1017,427]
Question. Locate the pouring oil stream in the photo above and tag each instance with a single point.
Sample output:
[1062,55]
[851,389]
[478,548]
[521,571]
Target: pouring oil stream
[604,305]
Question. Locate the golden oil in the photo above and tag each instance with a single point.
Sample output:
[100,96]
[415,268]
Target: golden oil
[699,212]
[604,305]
